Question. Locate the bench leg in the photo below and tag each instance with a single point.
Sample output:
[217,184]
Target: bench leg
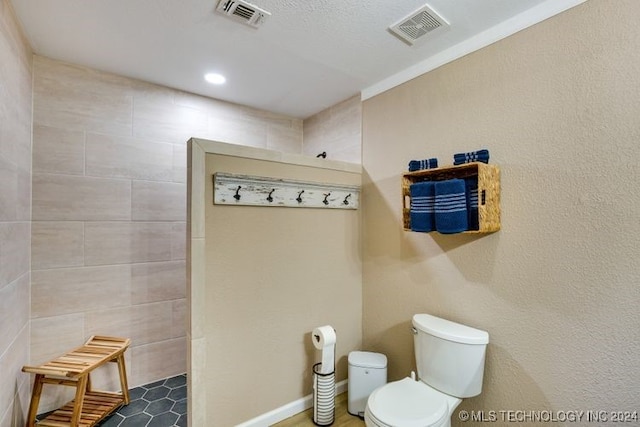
[35,400]
[81,388]
[122,370]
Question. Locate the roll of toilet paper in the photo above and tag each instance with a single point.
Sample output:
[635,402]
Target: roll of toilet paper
[324,339]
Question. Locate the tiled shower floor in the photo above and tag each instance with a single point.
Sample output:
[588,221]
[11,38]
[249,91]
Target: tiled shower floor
[159,404]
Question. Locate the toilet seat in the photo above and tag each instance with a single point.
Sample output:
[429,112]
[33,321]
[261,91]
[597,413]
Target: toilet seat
[407,403]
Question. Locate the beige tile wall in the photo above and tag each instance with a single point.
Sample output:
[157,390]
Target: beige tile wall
[109,208]
[15,216]
[336,131]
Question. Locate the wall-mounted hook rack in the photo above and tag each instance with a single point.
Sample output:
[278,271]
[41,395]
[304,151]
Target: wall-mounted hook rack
[245,190]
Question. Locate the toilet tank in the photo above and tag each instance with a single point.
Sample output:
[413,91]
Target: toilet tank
[449,356]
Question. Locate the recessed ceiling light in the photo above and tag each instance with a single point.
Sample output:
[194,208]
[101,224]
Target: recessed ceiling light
[214,78]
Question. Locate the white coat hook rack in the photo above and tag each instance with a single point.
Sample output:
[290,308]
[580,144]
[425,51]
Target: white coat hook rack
[245,190]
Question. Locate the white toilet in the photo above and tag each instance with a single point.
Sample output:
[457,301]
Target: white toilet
[450,359]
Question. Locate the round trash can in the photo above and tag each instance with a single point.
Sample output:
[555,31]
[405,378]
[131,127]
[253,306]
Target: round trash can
[367,372]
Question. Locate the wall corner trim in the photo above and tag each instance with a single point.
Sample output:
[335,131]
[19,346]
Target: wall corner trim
[494,34]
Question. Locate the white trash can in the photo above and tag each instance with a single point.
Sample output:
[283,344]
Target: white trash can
[367,372]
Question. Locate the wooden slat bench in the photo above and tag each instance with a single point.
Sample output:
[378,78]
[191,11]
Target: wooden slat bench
[72,369]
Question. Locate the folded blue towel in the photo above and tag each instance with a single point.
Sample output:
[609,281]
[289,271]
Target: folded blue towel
[416,165]
[473,156]
[471,185]
[451,206]
[421,213]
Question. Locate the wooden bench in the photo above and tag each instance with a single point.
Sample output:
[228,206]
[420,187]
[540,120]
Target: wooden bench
[72,369]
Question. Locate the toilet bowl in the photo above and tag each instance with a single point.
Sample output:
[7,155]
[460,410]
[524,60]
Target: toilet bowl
[450,359]
[409,403]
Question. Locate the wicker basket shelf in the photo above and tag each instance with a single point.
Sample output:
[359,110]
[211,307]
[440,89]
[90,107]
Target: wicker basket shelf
[488,191]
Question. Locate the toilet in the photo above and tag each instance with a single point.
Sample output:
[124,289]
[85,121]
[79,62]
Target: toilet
[450,360]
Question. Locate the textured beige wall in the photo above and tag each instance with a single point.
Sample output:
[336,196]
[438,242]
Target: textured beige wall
[337,131]
[272,275]
[109,194]
[557,288]
[15,216]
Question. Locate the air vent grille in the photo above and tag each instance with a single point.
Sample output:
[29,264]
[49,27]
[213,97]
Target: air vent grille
[244,12]
[226,5]
[418,24]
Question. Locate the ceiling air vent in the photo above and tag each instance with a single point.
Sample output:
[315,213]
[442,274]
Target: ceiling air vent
[244,12]
[416,26]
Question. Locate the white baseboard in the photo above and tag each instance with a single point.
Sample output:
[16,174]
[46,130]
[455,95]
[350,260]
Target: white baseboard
[288,410]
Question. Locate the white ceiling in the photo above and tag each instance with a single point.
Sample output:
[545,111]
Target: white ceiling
[309,55]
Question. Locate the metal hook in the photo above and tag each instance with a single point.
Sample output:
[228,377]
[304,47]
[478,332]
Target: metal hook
[323,155]
[345,201]
[237,196]
[299,199]
[269,198]
[325,201]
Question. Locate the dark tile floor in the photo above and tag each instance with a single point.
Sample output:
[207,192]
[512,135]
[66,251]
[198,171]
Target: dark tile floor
[159,404]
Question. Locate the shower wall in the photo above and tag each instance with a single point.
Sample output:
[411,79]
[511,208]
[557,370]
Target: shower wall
[109,191]
[15,216]
[337,131]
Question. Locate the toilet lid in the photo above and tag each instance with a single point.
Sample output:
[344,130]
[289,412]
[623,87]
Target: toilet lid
[408,403]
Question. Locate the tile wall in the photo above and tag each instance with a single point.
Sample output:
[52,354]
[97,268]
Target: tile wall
[336,131]
[15,216]
[109,206]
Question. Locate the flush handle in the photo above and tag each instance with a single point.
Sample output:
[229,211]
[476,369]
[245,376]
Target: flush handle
[414,331]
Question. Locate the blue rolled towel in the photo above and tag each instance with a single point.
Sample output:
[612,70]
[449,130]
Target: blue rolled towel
[472,156]
[451,206]
[471,185]
[421,212]
[416,165]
